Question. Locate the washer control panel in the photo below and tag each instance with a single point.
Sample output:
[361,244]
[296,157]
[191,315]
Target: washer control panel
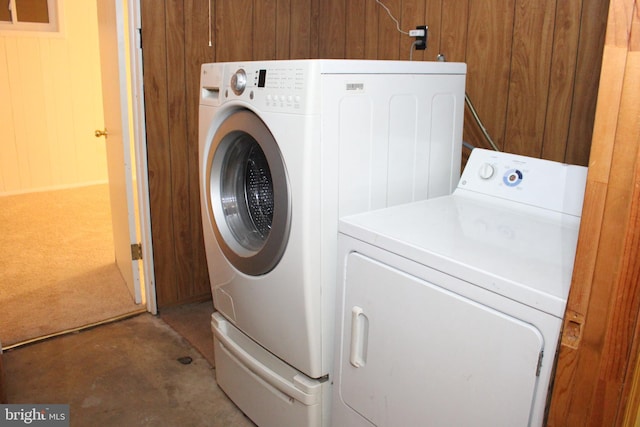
[279,86]
[532,181]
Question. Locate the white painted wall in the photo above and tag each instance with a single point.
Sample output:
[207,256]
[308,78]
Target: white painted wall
[51,104]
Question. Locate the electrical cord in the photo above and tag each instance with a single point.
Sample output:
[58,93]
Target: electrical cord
[392,17]
[413,45]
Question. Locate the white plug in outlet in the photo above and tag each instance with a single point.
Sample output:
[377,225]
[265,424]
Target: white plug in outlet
[420,33]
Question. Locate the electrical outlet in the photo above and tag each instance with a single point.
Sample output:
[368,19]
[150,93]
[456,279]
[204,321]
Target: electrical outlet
[421,37]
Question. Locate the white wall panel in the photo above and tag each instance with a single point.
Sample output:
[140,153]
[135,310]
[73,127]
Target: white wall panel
[51,103]
[9,177]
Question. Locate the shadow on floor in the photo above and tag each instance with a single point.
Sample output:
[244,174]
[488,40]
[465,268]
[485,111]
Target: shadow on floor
[128,373]
[193,322]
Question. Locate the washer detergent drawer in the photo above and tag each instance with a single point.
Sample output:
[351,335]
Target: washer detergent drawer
[413,353]
[266,389]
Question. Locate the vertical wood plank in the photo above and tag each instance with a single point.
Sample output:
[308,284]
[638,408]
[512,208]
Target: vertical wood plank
[264,33]
[529,81]
[622,299]
[178,142]
[488,54]
[561,84]
[453,39]
[433,19]
[301,29]
[631,272]
[629,402]
[211,28]
[591,230]
[356,32]
[332,29]
[234,32]
[158,159]
[283,29]
[371,30]
[389,37]
[315,28]
[589,63]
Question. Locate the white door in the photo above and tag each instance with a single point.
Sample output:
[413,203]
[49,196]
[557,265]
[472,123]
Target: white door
[415,354]
[118,125]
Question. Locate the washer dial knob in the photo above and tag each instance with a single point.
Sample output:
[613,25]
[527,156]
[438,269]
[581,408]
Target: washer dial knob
[239,81]
[486,171]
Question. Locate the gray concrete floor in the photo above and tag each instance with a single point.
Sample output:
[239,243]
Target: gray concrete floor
[126,373]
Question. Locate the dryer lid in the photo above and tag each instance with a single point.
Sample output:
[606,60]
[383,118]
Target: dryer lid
[518,254]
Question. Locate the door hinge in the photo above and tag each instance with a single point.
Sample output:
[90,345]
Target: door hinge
[539,363]
[136,251]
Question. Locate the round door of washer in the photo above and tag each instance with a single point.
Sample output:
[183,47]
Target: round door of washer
[248,194]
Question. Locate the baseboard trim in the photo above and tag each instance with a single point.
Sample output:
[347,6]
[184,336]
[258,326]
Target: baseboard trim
[52,188]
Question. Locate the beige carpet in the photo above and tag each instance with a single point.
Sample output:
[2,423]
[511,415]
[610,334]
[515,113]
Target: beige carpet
[57,268]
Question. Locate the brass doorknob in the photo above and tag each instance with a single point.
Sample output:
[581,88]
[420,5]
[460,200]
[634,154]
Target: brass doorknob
[100,133]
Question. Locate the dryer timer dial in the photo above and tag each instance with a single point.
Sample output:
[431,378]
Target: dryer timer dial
[239,81]
[486,171]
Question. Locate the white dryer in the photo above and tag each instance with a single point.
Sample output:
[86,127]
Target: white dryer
[449,309]
[286,147]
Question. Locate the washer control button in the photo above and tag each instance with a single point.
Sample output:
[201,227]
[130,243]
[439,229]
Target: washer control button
[239,81]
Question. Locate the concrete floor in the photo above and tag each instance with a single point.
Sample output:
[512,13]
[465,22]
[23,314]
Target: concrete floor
[126,373]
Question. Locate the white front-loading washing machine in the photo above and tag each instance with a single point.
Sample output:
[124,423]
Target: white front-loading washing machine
[449,310]
[286,148]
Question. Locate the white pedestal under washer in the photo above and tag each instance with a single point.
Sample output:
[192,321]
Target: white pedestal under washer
[449,309]
[286,147]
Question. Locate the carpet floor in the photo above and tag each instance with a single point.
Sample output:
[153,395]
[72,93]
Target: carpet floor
[57,263]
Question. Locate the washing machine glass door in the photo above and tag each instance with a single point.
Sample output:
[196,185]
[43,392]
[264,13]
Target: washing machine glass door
[248,193]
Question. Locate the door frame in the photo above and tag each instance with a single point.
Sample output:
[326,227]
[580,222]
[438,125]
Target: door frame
[140,147]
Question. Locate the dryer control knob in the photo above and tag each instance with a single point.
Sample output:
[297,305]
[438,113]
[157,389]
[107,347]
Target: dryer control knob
[486,171]
[239,81]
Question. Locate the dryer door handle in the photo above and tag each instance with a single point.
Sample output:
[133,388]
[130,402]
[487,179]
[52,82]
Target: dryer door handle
[359,335]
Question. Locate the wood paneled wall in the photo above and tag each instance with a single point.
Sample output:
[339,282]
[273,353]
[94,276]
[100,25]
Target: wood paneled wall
[50,105]
[175,44]
[598,358]
[533,69]
[533,65]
